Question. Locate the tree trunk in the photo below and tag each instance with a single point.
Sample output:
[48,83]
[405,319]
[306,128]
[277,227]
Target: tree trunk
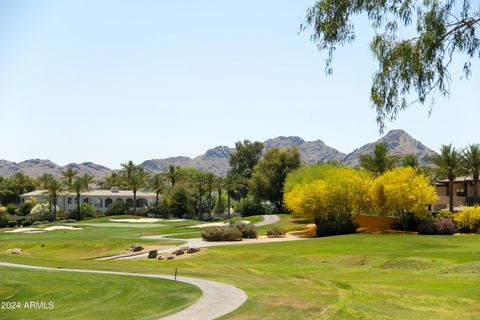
[228,204]
[450,194]
[475,189]
[134,202]
[78,206]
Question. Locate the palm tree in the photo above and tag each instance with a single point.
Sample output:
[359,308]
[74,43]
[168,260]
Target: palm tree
[44,179]
[173,175]
[219,183]
[198,180]
[67,177]
[230,185]
[113,180]
[410,160]
[471,164]
[79,185]
[157,184]
[379,162]
[210,181]
[54,188]
[128,168]
[448,163]
[135,179]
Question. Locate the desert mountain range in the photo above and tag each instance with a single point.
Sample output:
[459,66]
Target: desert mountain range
[216,160]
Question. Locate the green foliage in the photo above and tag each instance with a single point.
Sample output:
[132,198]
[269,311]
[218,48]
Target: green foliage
[242,162]
[26,223]
[27,207]
[410,160]
[4,218]
[179,201]
[225,233]
[220,204]
[471,165]
[118,207]
[268,179]
[11,209]
[468,219]
[12,223]
[11,188]
[379,162]
[249,206]
[417,64]
[248,230]
[334,225]
[43,211]
[275,231]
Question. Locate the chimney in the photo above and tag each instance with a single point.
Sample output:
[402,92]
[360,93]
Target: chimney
[114,189]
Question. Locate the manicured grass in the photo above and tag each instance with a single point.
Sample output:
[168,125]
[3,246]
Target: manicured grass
[91,296]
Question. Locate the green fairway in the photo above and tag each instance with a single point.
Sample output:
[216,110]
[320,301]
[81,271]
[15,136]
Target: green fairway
[360,276]
[89,296]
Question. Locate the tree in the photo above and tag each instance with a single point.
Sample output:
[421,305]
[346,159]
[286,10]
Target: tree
[135,178]
[230,185]
[157,184]
[410,160]
[210,184]
[79,185]
[403,190]
[269,175]
[173,175]
[54,188]
[242,162]
[449,164]
[67,177]
[471,164]
[198,179]
[113,180]
[44,179]
[378,162]
[417,64]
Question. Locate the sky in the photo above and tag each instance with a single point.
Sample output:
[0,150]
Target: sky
[112,81]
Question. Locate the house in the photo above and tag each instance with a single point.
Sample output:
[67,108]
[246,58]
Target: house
[462,193]
[99,199]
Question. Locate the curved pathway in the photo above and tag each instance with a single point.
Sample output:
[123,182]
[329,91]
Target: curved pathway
[192,243]
[218,299]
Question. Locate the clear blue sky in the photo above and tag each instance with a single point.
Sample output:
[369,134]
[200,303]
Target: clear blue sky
[110,81]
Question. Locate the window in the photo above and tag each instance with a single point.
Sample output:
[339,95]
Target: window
[85,200]
[69,201]
[461,193]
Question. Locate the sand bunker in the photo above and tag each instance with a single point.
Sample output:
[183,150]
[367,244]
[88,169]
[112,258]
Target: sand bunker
[37,230]
[143,220]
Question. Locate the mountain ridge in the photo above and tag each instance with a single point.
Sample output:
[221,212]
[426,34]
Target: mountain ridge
[216,159]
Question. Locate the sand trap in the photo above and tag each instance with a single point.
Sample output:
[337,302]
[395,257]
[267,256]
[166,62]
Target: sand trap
[143,220]
[215,224]
[37,230]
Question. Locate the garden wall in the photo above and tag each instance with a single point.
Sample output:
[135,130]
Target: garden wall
[375,222]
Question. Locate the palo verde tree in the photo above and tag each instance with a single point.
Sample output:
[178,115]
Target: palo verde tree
[417,64]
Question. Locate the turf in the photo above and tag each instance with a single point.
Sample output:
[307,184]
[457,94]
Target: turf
[90,296]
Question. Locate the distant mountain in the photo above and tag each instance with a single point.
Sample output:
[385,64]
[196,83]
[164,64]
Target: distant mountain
[216,160]
[398,143]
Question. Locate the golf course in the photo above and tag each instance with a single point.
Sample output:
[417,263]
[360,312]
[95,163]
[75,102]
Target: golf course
[358,276]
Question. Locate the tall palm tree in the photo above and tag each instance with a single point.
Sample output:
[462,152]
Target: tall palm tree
[410,160]
[471,164]
[230,185]
[448,163]
[198,179]
[173,175]
[135,179]
[54,188]
[219,184]
[67,177]
[210,181]
[44,179]
[113,180]
[79,185]
[128,168]
[157,184]
[379,162]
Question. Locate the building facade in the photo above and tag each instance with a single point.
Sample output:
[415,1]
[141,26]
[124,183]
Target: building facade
[99,199]
[463,193]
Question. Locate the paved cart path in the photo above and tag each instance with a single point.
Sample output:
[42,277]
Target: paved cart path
[217,298]
[199,243]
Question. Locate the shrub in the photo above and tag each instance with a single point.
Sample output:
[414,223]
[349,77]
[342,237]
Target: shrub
[440,227]
[26,223]
[11,209]
[468,220]
[275,231]
[118,207]
[444,226]
[444,214]
[334,226]
[249,207]
[12,223]
[42,211]
[225,233]
[27,207]
[248,230]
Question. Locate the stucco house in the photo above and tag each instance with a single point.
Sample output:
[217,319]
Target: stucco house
[99,199]
[462,193]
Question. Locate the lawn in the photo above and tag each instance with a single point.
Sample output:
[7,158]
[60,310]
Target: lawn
[360,276]
[91,296]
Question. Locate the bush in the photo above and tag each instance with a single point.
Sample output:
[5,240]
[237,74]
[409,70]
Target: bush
[42,211]
[27,207]
[118,207]
[334,226]
[11,209]
[248,230]
[275,231]
[468,220]
[12,223]
[225,233]
[440,227]
[249,207]
[26,223]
